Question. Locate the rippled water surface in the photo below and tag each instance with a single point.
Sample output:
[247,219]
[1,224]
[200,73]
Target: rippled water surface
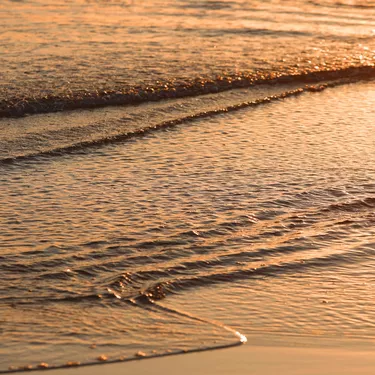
[234,189]
[266,213]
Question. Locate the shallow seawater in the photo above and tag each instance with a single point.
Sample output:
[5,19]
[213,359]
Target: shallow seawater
[82,53]
[262,219]
[172,172]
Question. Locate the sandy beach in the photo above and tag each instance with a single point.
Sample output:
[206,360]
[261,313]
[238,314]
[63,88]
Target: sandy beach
[244,360]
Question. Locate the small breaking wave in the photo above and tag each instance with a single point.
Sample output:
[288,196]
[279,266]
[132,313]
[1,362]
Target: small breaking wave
[17,107]
[353,206]
[164,125]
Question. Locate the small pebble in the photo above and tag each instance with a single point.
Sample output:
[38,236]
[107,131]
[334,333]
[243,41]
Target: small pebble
[73,363]
[43,365]
[102,358]
[140,354]
[92,346]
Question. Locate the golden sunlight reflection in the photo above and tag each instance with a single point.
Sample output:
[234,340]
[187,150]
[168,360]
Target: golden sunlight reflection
[180,176]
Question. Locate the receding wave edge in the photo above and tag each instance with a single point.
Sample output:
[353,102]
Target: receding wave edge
[172,123]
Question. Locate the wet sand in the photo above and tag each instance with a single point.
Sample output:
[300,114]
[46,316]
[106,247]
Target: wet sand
[246,359]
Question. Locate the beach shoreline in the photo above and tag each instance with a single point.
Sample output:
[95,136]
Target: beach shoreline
[243,360]
[179,178]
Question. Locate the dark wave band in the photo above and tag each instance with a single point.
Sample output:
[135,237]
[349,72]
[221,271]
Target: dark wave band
[18,107]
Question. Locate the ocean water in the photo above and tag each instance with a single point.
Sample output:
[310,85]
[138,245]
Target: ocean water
[177,175]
